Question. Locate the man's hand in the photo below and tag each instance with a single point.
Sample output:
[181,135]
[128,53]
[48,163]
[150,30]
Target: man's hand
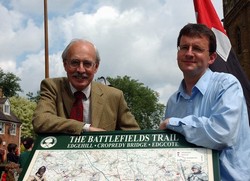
[163,124]
[96,129]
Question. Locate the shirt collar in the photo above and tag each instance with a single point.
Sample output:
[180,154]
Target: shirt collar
[86,91]
[203,82]
[201,85]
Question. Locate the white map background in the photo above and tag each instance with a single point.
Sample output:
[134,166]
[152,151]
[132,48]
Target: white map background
[120,164]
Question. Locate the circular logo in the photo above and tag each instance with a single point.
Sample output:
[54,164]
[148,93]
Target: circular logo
[48,142]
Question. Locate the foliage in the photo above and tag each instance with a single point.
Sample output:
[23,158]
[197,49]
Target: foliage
[9,84]
[24,109]
[142,101]
[32,97]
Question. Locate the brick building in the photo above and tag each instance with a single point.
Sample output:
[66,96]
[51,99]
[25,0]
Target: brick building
[10,125]
[237,24]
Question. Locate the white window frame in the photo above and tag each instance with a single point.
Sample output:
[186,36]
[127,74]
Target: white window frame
[12,129]
[6,107]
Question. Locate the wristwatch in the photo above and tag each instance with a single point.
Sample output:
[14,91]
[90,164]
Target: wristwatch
[86,127]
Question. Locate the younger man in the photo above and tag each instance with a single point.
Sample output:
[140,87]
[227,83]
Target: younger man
[209,108]
[28,144]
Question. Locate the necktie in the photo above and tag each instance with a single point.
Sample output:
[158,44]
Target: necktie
[77,109]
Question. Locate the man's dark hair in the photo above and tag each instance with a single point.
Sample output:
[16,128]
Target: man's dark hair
[11,147]
[27,142]
[198,30]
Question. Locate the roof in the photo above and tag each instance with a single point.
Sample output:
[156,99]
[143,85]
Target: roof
[3,100]
[9,118]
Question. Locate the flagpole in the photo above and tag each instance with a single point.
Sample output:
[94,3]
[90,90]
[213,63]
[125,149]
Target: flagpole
[46,49]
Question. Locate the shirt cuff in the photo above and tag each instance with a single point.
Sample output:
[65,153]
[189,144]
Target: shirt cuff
[86,127]
[174,122]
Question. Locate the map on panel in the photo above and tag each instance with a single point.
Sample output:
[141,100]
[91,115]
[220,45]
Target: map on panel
[157,164]
[140,157]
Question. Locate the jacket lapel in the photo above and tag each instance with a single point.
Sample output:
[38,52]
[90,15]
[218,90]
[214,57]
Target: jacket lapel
[97,104]
[67,96]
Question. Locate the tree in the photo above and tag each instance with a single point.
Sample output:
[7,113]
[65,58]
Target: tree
[32,97]
[142,101]
[9,84]
[24,109]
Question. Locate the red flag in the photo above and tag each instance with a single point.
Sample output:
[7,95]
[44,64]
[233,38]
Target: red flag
[226,60]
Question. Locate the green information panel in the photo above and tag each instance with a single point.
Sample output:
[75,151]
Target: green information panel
[120,155]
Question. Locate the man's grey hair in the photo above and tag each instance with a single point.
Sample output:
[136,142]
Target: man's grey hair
[65,52]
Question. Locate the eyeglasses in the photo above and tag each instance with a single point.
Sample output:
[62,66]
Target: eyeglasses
[87,64]
[194,49]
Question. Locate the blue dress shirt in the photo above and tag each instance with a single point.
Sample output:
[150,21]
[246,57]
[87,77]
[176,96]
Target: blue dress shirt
[215,116]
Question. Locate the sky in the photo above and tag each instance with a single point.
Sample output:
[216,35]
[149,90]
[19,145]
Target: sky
[136,38]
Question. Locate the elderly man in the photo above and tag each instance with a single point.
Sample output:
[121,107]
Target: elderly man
[95,107]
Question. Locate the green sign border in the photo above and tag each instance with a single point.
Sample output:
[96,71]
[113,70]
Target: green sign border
[142,139]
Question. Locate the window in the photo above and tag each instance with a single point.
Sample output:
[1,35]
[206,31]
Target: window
[12,129]
[6,107]
[2,128]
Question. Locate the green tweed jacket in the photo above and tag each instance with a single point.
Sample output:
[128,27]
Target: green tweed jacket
[109,109]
